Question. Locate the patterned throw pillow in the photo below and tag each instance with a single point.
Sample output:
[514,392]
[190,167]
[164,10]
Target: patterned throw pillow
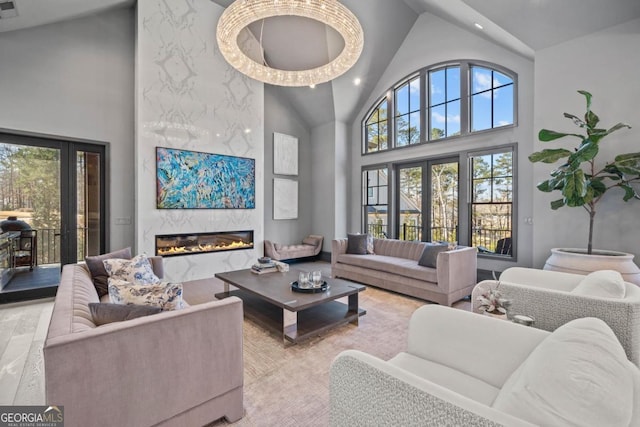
[167,296]
[98,274]
[136,270]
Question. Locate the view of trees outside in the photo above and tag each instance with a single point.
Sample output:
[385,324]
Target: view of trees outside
[444,202]
[376,127]
[444,102]
[410,203]
[407,115]
[492,198]
[30,188]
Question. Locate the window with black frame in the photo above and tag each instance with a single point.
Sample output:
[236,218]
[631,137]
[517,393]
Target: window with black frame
[492,202]
[376,201]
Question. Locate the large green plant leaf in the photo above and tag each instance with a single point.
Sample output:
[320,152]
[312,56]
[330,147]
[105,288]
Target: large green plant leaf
[576,120]
[598,187]
[587,151]
[617,127]
[628,164]
[575,188]
[592,119]
[549,155]
[557,204]
[551,184]
[588,96]
[629,193]
[546,135]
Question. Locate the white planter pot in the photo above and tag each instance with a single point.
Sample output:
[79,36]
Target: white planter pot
[572,260]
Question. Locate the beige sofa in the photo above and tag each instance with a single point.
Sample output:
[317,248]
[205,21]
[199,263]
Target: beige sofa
[394,266]
[174,368]
[310,247]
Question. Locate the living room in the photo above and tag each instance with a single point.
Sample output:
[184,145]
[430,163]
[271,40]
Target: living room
[146,75]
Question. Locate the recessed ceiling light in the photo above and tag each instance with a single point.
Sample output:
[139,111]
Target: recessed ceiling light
[357,81]
[478,26]
[247,130]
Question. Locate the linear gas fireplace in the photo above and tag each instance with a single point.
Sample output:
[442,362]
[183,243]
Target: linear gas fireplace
[202,243]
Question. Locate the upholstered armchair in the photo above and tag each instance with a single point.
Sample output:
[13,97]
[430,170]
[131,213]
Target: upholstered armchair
[551,299]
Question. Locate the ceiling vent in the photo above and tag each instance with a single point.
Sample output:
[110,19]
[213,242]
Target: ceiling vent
[8,9]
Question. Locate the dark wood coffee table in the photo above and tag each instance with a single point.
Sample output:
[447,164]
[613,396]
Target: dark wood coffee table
[270,302]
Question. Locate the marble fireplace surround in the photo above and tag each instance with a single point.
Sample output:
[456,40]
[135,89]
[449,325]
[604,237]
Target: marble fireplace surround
[188,97]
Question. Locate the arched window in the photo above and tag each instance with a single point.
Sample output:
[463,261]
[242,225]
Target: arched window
[457,99]
[491,99]
[407,113]
[376,129]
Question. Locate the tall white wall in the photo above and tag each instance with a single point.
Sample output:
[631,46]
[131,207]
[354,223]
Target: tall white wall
[606,64]
[281,117]
[75,79]
[188,97]
[431,41]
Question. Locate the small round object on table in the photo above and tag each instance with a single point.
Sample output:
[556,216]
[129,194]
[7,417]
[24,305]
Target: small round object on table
[523,320]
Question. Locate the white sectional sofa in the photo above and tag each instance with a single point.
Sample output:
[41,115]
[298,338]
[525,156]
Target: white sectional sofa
[394,266]
[466,369]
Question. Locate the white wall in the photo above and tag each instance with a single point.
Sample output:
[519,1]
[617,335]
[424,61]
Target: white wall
[432,41]
[281,117]
[188,97]
[75,79]
[606,64]
[323,189]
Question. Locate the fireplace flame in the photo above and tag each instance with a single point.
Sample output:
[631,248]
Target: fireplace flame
[170,250]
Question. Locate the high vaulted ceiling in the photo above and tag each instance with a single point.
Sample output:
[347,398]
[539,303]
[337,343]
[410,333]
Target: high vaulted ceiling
[522,26]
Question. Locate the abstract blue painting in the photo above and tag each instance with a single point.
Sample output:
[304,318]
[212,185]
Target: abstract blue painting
[193,180]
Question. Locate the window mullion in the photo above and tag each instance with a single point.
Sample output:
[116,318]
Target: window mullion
[465,78]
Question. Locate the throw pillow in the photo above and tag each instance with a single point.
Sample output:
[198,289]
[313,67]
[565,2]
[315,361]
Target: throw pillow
[104,313]
[167,296]
[370,244]
[579,375]
[98,273]
[602,283]
[357,244]
[136,270]
[429,257]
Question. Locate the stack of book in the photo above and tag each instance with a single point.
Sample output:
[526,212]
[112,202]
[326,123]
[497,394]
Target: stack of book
[261,268]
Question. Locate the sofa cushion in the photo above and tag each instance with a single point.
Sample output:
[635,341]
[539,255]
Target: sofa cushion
[370,244]
[167,296]
[313,241]
[98,273]
[398,248]
[430,253]
[108,313]
[357,244]
[602,283]
[136,270]
[447,377]
[579,375]
[401,266]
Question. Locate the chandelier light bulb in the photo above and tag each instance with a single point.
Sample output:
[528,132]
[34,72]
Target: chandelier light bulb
[241,13]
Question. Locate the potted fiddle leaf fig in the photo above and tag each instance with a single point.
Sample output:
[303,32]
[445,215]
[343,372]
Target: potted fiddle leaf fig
[582,178]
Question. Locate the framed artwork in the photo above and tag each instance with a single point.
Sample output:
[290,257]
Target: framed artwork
[285,198]
[285,154]
[194,180]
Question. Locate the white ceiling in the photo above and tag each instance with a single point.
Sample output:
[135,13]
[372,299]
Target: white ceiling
[522,26]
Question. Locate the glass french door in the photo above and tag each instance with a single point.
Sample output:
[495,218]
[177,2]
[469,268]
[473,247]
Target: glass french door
[57,188]
[428,201]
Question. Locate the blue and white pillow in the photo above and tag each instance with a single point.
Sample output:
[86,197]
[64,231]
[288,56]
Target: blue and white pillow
[136,270]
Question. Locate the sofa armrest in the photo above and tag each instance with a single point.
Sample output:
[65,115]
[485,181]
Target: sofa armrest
[367,391]
[270,250]
[553,308]
[480,346]
[195,352]
[338,247]
[457,269]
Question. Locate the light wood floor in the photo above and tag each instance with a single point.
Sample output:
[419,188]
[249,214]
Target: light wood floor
[23,327]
